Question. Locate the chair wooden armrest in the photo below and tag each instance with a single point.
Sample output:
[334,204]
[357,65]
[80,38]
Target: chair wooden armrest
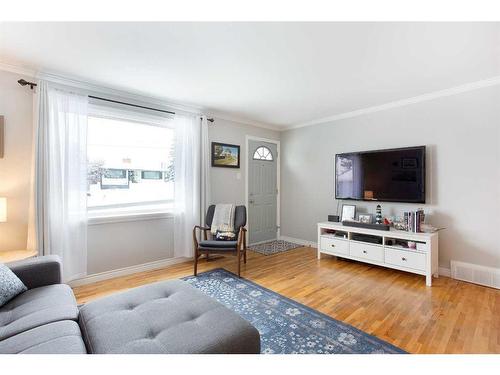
[204,229]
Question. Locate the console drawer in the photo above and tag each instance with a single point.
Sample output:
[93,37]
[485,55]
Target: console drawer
[332,245]
[367,251]
[406,259]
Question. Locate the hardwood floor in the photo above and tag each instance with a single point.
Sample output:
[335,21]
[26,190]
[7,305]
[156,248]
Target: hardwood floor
[449,317]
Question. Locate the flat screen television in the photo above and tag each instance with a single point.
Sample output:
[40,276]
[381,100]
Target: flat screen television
[394,175]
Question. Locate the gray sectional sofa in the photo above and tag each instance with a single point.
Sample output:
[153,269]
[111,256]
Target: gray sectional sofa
[164,317]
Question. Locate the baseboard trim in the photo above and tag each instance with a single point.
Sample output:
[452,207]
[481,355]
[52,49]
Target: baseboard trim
[446,272]
[127,271]
[298,241]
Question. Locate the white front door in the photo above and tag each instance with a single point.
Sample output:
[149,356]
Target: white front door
[262,191]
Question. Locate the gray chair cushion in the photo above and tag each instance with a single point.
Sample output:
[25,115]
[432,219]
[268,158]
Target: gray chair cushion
[165,317]
[10,285]
[36,307]
[62,337]
[212,244]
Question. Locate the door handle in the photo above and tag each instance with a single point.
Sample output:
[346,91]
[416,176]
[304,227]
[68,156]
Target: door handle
[251,201]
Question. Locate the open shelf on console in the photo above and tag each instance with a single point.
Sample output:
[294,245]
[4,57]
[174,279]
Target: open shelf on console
[367,238]
[403,244]
[333,233]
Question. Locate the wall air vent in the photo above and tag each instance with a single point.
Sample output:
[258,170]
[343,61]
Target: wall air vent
[476,274]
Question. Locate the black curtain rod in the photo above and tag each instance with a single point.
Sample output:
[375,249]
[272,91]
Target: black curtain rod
[131,105]
[23,82]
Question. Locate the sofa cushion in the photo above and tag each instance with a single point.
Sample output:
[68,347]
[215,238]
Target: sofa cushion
[62,337]
[10,285]
[36,307]
[165,317]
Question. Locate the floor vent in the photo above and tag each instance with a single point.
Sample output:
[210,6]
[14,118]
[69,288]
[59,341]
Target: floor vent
[476,274]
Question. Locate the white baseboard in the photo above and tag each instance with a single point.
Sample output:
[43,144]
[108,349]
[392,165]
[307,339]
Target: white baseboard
[299,241]
[446,272]
[127,271]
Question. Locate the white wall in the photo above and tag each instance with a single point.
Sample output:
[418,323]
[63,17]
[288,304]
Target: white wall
[118,245]
[462,133]
[16,105]
[228,184]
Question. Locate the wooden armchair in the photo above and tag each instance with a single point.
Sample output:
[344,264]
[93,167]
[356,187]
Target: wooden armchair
[207,245]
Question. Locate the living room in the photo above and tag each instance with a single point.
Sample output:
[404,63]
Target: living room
[250,188]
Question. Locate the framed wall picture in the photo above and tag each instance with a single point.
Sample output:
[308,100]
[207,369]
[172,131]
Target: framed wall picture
[348,212]
[225,155]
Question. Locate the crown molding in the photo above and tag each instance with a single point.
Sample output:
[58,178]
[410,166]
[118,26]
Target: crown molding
[17,69]
[493,81]
[167,104]
[244,121]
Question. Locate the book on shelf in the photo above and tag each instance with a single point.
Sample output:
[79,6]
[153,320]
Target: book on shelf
[413,220]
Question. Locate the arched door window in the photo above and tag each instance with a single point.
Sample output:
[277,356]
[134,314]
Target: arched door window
[263,153]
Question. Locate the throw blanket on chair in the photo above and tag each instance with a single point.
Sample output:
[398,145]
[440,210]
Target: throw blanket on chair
[223,220]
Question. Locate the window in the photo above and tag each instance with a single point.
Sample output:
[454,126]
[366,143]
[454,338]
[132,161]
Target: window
[263,153]
[151,175]
[130,165]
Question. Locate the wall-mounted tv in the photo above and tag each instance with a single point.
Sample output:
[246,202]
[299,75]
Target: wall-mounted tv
[394,175]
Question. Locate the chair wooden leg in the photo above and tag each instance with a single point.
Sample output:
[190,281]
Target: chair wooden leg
[206,256]
[196,262]
[238,255]
[245,255]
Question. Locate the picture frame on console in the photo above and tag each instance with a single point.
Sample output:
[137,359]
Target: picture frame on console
[348,212]
[365,218]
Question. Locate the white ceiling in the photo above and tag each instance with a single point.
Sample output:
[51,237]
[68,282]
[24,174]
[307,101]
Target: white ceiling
[280,74]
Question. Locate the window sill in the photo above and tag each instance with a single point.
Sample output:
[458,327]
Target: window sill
[125,217]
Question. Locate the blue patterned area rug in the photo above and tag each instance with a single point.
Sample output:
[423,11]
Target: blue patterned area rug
[285,326]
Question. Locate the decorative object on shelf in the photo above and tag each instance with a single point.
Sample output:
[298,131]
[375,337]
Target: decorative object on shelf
[333,218]
[413,220]
[225,155]
[399,224]
[378,216]
[348,212]
[412,244]
[427,228]
[365,218]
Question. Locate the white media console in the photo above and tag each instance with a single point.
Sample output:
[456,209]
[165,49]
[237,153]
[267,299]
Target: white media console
[337,239]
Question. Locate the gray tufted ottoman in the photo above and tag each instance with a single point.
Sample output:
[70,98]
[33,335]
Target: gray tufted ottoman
[165,317]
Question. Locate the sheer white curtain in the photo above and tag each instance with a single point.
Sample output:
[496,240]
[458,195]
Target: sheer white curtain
[60,178]
[205,193]
[192,181]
